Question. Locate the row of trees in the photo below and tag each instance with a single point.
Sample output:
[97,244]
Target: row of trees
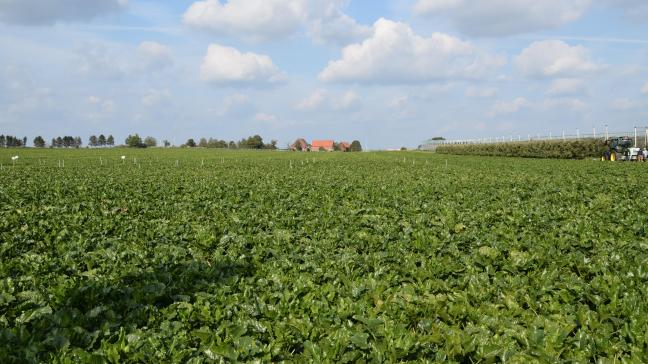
[9,141]
[253,142]
[101,141]
[60,142]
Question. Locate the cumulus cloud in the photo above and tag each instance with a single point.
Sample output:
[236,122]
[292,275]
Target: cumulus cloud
[261,20]
[339,30]
[322,99]
[500,108]
[555,58]
[644,89]
[154,55]
[40,12]
[503,17]
[395,54]
[226,65]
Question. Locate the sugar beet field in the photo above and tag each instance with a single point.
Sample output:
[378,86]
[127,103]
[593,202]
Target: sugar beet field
[199,256]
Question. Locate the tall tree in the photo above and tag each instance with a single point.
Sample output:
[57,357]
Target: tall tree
[134,141]
[78,142]
[39,142]
[191,143]
[202,143]
[356,146]
[59,142]
[102,140]
[110,141]
[24,142]
[166,143]
[3,141]
[149,141]
[93,141]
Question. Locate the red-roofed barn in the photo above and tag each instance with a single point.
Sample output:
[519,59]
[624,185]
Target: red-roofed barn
[319,145]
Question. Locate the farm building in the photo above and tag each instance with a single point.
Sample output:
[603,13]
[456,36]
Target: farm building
[319,145]
[344,147]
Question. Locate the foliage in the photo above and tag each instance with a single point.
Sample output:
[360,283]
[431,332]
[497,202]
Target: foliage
[66,142]
[39,142]
[570,149]
[135,141]
[150,142]
[190,143]
[333,257]
[356,146]
[9,141]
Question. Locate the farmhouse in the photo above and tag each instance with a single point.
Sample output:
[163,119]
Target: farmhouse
[322,145]
[344,147]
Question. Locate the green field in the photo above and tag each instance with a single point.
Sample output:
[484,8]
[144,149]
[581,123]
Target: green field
[174,256]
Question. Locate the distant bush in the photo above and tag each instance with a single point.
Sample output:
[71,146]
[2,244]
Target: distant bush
[557,149]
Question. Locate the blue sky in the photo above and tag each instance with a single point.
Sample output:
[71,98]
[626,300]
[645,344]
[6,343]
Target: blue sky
[389,73]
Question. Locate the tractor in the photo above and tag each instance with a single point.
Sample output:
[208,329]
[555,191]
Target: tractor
[620,148]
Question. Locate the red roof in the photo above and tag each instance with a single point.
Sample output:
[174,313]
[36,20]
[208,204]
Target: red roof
[326,144]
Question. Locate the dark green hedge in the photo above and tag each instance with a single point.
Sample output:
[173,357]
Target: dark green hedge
[559,149]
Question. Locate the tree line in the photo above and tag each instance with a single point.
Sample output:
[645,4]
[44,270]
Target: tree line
[10,141]
[101,141]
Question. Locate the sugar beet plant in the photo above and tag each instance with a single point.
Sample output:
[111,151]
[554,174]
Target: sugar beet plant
[557,149]
[201,256]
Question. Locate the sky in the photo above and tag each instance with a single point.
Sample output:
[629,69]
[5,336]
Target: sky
[388,73]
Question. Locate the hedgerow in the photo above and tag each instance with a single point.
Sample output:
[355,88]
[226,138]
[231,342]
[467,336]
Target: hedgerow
[557,149]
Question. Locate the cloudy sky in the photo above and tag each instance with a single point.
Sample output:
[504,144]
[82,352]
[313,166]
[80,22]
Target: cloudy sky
[389,73]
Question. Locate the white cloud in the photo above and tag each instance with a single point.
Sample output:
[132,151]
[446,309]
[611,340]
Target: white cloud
[313,101]
[566,87]
[508,107]
[226,65]
[261,20]
[322,99]
[485,92]
[263,117]
[503,17]
[44,12]
[395,54]
[338,30]
[155,55]
[644,89]
[555,58]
